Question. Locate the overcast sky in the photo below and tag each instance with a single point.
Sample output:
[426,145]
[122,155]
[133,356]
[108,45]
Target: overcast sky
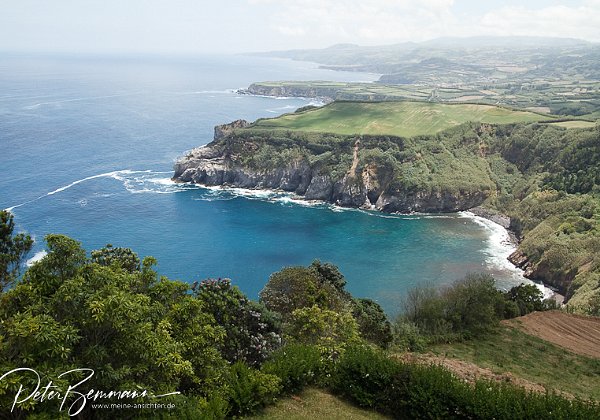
[196,26]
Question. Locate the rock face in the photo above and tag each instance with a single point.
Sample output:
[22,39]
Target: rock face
[324,94]
[541,272]
[226,129]
[222,163]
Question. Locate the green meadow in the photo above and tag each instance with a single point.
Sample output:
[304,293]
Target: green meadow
[403,119]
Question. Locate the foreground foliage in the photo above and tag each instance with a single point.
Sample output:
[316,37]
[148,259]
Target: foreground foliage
[225,356]
[406,391]
[13,249]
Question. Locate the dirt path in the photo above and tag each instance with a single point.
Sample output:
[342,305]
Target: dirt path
[352,172]
[577,333]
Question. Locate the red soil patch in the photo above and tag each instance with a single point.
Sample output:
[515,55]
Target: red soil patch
[577,333]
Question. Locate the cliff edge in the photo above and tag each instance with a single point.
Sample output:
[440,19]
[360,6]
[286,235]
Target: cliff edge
[348,171]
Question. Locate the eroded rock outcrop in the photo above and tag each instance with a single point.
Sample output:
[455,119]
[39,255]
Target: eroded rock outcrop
[228,161]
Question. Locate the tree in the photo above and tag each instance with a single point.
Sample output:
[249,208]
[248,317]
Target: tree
[252,333]
[123,257]
[528,298]
[372,322]
[473,305]
[329,273]
[329,330]
[136,331]
[469,307]
[299,287]
[13,250]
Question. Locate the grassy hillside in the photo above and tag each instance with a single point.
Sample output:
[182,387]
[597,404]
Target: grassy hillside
[530,358]
[403,119]
[561,77]
[315,404]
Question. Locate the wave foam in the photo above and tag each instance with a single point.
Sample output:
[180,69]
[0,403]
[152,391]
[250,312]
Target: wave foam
[36,257]
[499,247]
[134,181]
[61,101]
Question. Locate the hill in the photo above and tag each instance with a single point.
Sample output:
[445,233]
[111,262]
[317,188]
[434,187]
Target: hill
[559,75]
[535,348]
[403,119]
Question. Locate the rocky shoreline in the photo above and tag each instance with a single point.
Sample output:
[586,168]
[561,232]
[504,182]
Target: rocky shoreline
[516,258]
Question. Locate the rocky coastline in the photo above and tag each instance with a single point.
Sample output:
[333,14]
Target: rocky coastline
[369,187]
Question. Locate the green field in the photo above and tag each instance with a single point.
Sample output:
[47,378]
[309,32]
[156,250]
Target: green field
[403,119]
[575,124]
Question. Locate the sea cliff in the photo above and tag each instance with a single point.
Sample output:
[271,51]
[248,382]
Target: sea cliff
[352,178]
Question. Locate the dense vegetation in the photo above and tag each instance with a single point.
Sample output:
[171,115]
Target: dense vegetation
[227,356]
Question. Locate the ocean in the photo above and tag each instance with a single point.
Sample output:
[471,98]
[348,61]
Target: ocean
[87,149]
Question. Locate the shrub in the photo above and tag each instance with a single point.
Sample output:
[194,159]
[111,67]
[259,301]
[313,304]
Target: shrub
[252,332]
[365,376]
[297,365]
[298,287]
[330,331]
[473,305]
[134,330]
[250,389]
[372,322]
[329,273]
[409,391]
[527,297]
[123,257]
[468,308]
[13,250]
[406,335]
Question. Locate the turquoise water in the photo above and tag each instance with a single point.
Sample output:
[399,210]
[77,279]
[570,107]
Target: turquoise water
[88,146]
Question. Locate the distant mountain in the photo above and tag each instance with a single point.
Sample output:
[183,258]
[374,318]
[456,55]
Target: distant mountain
[459,61]
[505,41]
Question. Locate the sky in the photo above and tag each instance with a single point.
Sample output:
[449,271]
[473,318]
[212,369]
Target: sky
[232,26]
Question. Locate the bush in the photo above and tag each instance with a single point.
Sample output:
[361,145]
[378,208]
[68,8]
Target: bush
[297,365]
[299,287]
[409,391]
[365,376]
[527,297]
[136,331]
[407,337]
[468,308]
[252,332]
[372,322]
[330,331]
[250,389]
[473,305]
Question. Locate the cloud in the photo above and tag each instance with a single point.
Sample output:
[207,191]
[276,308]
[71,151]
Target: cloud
[320,22]
[558,21]
[360,20]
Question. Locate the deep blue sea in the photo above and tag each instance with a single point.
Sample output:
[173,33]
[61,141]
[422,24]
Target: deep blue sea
[87,149]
